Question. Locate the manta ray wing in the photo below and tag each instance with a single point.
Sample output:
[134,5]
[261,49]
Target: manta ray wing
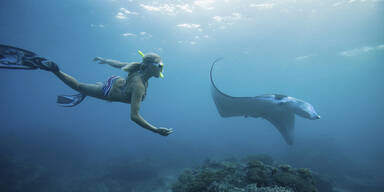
[259,106]
[284,121]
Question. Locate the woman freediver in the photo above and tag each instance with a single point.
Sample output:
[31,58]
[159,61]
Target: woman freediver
[131,89]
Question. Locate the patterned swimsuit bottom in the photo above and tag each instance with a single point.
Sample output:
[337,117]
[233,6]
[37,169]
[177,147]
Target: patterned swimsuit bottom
[107,86]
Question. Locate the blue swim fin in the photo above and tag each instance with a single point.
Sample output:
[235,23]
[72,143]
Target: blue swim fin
[70,100]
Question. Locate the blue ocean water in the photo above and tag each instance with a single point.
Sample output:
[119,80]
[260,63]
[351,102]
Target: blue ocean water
[328,53]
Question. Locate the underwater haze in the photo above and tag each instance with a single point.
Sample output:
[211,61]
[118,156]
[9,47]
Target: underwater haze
[329,53]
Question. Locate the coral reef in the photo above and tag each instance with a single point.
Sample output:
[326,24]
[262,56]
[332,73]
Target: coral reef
[252,174]
[249,175]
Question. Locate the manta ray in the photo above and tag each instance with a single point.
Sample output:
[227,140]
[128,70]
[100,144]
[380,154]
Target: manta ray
[278,109]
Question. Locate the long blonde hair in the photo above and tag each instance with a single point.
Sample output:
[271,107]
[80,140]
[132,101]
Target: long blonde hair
[132,67]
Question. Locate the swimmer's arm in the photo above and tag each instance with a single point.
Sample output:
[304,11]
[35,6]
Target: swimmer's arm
[135,107]
[111,62]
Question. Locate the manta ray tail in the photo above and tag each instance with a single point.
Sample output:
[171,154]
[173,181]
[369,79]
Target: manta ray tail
[222,101]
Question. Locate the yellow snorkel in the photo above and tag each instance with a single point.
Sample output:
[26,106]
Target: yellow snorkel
[161,64]
[141,53]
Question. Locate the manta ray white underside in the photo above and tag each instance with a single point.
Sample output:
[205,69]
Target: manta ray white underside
[278,109]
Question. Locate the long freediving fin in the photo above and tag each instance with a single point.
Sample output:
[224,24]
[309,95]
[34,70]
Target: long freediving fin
[16,58]
[70,100]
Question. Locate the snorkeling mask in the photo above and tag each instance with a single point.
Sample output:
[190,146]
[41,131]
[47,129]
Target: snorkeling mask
[157,64]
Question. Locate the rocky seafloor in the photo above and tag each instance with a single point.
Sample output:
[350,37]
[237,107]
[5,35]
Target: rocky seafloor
[258,173]
[17,175]
[253,174]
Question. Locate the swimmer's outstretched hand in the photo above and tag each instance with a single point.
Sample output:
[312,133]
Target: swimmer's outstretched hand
[99,60]
[164,131]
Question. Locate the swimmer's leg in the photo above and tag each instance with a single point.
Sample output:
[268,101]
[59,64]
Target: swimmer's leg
[94,90]
[85,89]
[16,58]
